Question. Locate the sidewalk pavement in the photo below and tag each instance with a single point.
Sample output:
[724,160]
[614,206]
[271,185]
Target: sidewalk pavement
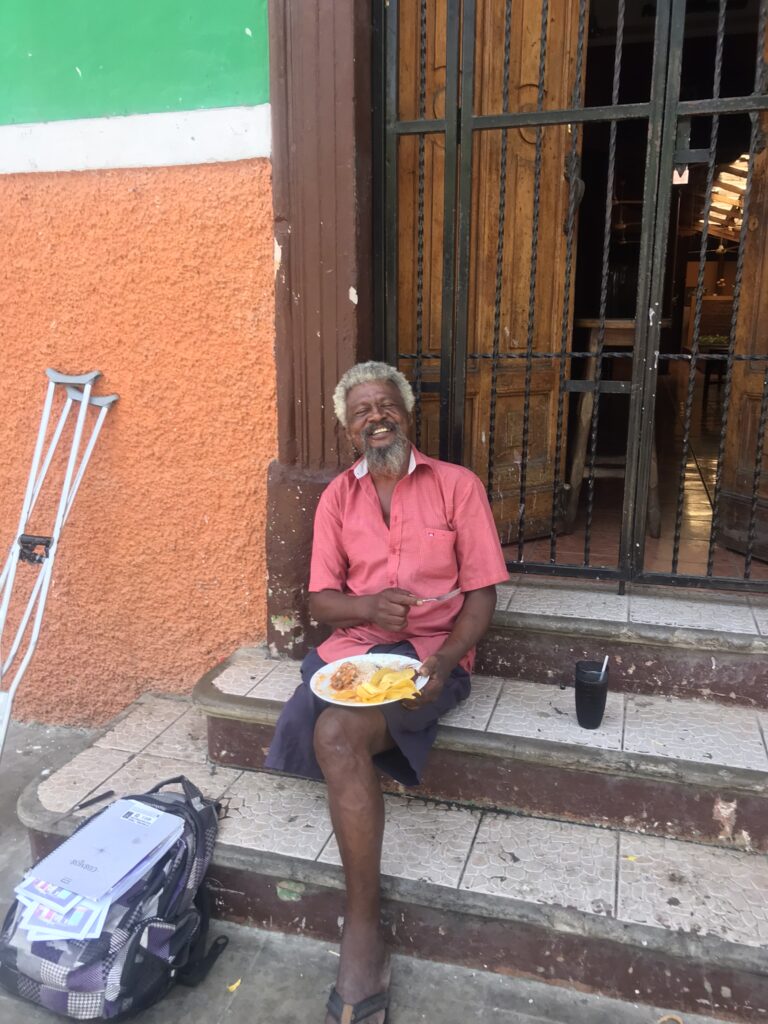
[279,979]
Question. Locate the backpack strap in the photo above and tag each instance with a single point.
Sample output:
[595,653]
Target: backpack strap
[191,792]
[199,961]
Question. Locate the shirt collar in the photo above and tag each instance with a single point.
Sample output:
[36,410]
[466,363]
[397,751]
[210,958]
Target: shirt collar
[360,469]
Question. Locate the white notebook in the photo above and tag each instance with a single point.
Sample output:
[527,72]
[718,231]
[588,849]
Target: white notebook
[94,860]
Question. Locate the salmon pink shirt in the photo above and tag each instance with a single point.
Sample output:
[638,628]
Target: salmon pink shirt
[441,536]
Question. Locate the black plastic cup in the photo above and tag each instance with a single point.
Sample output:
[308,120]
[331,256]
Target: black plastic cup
[591,692]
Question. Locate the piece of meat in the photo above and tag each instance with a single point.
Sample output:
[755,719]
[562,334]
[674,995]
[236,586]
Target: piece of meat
[345,677]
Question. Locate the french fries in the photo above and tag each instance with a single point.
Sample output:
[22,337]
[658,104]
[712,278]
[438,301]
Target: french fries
[384,684]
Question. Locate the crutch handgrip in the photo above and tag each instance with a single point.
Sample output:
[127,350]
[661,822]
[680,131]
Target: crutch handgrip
[69,378]
[28,544]
[100,401]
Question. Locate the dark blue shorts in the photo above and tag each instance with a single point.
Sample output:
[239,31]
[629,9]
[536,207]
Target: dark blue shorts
[413,732]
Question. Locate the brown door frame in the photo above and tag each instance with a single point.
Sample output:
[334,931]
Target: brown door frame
[320,93]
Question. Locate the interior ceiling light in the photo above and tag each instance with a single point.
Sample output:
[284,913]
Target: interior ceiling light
[725,208]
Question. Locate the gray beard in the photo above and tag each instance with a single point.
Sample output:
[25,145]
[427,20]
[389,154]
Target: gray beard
[389,461]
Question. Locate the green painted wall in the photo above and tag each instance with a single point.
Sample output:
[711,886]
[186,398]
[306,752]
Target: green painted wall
[133,56]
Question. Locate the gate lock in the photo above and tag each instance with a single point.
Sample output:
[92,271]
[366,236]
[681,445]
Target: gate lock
[684,155]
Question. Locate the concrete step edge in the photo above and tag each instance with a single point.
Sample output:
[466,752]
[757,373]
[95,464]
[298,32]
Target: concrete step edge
[262,711]
[631,632]
[698,949]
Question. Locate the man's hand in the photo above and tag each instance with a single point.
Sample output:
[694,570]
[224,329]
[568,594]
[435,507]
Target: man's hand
[438,670]
[389,609]
[472,622]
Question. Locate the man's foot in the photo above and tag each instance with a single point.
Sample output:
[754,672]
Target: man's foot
[364,970]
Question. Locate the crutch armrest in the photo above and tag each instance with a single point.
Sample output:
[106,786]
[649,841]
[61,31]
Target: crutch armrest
[98,400]
[68,378]
[101,400]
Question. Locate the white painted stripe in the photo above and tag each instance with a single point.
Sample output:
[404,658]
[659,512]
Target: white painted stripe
[141,140]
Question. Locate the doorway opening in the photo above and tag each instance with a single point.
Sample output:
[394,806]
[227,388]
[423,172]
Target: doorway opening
[573,227]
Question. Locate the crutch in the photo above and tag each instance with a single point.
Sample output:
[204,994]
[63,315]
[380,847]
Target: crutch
[34,549]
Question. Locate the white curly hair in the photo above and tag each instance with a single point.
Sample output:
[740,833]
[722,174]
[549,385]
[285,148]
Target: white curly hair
[365,373]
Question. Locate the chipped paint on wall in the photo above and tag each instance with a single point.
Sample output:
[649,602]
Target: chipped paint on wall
[62,61]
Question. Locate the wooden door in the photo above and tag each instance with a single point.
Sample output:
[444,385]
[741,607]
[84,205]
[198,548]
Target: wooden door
[503,313]
[421,199]
[515,292]
[747,382]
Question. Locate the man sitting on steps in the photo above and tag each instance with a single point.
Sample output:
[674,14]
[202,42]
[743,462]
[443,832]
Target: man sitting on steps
[396,527]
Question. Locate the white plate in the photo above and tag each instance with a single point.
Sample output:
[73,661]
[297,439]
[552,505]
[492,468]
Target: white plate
[320,682]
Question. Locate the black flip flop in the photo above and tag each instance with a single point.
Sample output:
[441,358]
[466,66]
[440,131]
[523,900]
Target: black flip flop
[352,1013]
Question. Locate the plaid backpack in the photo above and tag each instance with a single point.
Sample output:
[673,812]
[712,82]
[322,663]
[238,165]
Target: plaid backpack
[154,935]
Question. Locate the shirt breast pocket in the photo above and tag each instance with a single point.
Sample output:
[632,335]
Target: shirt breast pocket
[437,562]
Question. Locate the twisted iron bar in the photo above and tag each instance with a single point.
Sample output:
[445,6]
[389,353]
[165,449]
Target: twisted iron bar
[699,291]
[730,358]
[757,474]
[755,136]
[606,259]
[573,163]
[418,369]
[532,283]
[499,253]
[684,357]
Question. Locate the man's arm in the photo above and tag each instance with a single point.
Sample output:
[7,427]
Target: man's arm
[470,626]
[388,609]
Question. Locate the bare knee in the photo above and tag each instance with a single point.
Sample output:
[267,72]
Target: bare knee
[338,742]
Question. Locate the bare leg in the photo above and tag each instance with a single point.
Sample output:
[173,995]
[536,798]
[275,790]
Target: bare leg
[345,742]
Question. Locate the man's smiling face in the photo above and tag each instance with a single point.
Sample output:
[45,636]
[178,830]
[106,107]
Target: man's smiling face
[377,425]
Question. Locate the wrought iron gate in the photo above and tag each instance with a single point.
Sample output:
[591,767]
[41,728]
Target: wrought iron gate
[511,377]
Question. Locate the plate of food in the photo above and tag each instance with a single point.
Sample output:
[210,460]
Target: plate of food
[367,680]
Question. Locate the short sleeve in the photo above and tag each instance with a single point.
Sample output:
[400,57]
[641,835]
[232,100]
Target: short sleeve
[328,568]
[478,550]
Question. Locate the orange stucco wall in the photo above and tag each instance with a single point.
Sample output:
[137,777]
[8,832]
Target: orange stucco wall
[163,280]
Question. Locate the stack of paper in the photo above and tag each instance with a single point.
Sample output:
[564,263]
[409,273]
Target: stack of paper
[69,893]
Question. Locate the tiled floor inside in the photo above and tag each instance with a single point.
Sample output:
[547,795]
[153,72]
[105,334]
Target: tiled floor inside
[638,879]
[696,510]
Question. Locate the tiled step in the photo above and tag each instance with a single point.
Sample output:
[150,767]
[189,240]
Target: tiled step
[638,917]
[671,641]
[658,765]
